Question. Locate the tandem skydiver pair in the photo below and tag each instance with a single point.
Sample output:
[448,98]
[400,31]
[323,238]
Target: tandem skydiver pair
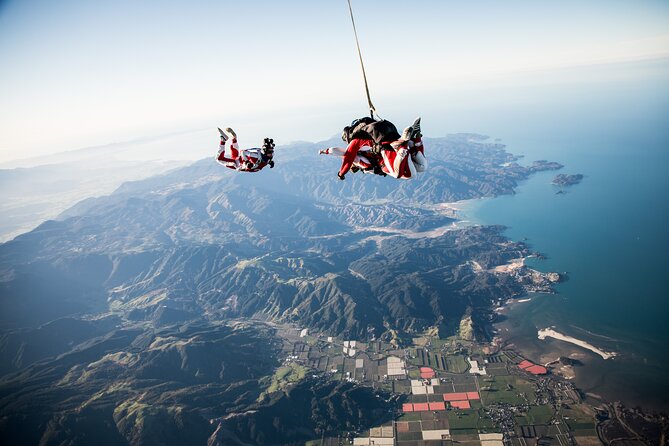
[373,146]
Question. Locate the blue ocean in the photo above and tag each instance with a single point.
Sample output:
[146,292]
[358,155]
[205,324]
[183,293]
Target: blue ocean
[610,233]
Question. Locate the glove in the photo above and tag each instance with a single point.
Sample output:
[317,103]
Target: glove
[341,177]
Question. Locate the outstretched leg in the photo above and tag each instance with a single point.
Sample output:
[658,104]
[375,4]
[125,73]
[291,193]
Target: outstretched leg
[234,146]
[416,146]
[232,161]
[419,161]
[418,154]
[220,157]
[396,163]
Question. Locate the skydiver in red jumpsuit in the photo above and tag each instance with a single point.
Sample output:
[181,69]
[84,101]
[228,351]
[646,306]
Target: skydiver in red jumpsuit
[247,160]
[400,159]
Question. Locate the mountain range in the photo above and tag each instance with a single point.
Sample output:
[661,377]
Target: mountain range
[142,316]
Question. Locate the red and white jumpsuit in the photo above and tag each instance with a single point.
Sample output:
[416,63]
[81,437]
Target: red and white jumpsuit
[243,160]
[401,159]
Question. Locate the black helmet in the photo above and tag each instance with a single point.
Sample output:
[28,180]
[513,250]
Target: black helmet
[345,133]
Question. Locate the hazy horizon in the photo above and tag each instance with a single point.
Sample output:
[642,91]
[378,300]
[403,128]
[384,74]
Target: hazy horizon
[82,75]
[451,109]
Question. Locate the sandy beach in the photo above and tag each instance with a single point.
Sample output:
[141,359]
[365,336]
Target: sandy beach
[509,267]
[550,333]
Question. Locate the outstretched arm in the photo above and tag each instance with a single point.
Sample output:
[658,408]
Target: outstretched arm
[336,151]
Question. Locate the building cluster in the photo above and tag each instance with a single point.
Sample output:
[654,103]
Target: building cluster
[396,368]
[349,348]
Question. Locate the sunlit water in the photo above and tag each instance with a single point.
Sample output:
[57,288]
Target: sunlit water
[609,233]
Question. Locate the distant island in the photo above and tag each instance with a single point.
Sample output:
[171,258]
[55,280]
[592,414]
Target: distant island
[540,165]
[563,180]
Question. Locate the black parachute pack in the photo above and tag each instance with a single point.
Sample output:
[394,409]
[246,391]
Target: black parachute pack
[381,132]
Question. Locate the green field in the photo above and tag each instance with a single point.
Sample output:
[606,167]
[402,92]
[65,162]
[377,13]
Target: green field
[468,419]
[409,416]
[456,364]
[592,432]
[463,419]
[508,389]
[285,375]
[579,416]
[332,350]
[414,374]
[476,404]
[536,415]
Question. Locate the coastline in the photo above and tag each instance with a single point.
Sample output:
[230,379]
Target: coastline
[516,328]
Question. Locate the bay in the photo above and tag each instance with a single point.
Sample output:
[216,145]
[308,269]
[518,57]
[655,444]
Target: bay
[610,233]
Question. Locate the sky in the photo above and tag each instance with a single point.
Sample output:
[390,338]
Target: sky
[77,73]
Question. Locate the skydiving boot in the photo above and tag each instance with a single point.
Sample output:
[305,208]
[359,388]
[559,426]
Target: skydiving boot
[412,131]
[416,138]
[234,147]
[224,137]
[406,134]
[231,133]
[416,128]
